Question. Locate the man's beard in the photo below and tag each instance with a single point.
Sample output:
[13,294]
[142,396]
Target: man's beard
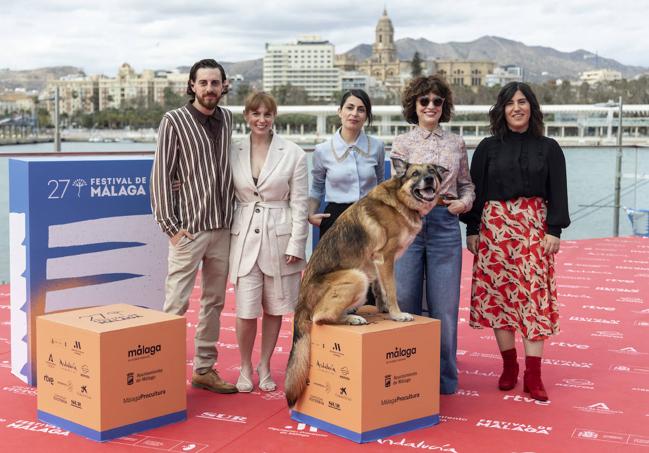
[208,103]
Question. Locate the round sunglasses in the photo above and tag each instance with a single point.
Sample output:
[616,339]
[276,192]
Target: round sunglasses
[437,101]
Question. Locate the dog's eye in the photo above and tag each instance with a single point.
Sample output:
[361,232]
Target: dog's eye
[415,173]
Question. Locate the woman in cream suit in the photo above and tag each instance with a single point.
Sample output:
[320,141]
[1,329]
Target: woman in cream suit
[268,234]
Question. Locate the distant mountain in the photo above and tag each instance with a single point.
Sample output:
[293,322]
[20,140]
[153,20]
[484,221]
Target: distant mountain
[34,79]
[251,70]
[539,63]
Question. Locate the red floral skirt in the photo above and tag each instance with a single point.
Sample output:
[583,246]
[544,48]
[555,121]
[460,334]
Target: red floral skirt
[513,284]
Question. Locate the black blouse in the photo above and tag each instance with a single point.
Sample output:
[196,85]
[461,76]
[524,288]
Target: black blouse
[520,165]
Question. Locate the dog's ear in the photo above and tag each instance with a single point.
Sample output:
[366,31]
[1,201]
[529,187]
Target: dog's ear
[440,170]
[400,167]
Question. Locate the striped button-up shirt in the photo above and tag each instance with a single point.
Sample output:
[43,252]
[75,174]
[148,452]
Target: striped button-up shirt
[187,152]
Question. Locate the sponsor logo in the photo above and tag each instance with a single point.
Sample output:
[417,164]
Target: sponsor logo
[143,396]
[336,350]
[59,342]
[400,353]
[83,391]
[85,370]
[391,380]
[450,418]
[594,320]
[48,379]
[60,398]
[421,445]
[109,317]
[575,296]
[219,417]
[616,290]
[326,386]
[562,344]
[524,399]
[629,369]
[629,350]
[324,366]
[583,271]
[343,393]
[399,398]
[598,408]
[37,427]
[301,430]
[387,381]
[464,392]
[630,300]
[67,365]
[344,373]
[642,312]
[640,389]
[66,385]
[595,307]
[584,384]
[479,373]
[118,186]
[617,280]
[512,426]
[569,363]
[144,351]
[604,436]
[485,355]
[76,347]
[130,378]
[75,403]
[333,405]
[316,399]
[19,390]
[607,334]
[641,323]
[50,361]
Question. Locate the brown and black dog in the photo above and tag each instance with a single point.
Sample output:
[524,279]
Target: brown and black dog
[359,250]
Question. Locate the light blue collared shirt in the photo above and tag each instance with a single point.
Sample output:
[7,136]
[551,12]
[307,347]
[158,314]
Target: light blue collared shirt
[344,173]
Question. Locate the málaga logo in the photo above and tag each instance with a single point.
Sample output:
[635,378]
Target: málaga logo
[117,186]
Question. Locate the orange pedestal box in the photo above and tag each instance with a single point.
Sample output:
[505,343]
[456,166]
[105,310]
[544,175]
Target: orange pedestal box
[112,370]
[372,381]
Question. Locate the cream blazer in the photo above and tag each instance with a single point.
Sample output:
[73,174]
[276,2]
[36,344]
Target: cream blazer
[270,218]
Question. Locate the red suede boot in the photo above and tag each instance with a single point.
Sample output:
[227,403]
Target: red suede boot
[532,383]
[509,377]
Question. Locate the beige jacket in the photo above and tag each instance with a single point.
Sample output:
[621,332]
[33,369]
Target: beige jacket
[270,218]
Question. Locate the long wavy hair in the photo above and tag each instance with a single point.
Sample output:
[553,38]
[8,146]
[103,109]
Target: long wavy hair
[497,120]
[421,86]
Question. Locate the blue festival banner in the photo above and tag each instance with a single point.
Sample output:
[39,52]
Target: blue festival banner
[81,234]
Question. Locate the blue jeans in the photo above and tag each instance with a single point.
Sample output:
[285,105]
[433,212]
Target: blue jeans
[437,251]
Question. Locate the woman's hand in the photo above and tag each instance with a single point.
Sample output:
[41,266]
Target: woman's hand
[455,207]
[290,259]
[472,243]
[316,219]
[550,244]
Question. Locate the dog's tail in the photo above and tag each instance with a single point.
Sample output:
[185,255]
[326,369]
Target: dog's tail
[297,370]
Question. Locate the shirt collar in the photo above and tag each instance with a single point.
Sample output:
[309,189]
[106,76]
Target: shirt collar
[341,149]
[426,134]
[203,118]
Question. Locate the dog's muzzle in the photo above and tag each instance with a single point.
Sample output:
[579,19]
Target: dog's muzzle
[425,189]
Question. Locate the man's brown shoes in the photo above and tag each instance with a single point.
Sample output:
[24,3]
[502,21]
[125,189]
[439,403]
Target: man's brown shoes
[212,381]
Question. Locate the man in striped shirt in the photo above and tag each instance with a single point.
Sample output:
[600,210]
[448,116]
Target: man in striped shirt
[193,148]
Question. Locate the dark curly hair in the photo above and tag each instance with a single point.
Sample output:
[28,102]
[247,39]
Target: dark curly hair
[206,63]
[422,86]
[497,119]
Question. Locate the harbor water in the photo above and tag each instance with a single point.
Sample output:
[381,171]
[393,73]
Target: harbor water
[591,183]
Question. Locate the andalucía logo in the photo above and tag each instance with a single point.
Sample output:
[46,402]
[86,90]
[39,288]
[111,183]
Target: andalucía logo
[324,366]
[599,408]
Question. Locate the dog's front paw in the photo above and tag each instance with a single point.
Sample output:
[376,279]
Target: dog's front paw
[402,316]
[354,320]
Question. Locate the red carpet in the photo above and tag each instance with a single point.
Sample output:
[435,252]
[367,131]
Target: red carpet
[596,373]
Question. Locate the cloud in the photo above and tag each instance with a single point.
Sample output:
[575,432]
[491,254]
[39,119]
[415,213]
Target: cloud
[99,36]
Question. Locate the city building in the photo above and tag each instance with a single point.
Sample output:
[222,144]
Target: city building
[89,94]
[471,73]
[16,102]
[306,63]
[600,75]
[502,75]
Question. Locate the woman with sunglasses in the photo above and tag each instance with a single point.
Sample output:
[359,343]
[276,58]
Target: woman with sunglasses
[513,230]
[348,165]
[436,252]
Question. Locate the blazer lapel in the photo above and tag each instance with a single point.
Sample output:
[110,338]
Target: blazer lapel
[244,160]
[275,153]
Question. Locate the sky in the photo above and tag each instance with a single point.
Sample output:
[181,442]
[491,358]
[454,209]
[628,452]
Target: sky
[98,36]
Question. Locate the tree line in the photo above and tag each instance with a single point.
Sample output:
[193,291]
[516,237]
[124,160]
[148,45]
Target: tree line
[137,114]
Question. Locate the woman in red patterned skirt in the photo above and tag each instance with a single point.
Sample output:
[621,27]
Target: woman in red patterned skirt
[513,230]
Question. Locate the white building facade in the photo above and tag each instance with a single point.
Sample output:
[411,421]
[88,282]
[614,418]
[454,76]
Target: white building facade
[307,63]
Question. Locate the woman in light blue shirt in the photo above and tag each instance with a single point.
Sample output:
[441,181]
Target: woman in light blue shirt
[348,165]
